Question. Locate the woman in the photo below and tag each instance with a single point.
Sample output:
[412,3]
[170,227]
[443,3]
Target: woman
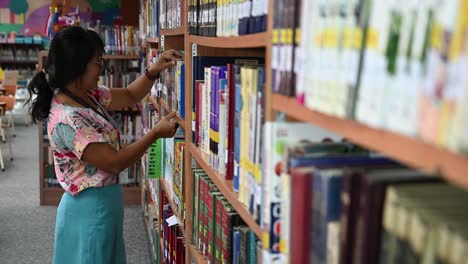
[85,143]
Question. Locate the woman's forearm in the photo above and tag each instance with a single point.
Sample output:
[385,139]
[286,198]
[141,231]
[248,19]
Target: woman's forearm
[139,88]
[130,154]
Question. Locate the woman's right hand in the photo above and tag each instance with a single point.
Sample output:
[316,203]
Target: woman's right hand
[166,127]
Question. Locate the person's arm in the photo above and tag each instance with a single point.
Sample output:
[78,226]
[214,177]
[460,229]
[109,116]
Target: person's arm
[106,158]
[139,88]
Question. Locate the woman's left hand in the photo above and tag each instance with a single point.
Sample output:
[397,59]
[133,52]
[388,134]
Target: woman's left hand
[165,60]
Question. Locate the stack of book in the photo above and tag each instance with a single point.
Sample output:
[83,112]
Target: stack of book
[119,39]
[173,236]
[227,113]
[171,14]
[118,74]
[172,86]
[216,18]
[218,232]
[151,18]
[338,203]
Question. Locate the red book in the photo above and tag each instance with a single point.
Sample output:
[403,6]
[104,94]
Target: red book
[301,222]
[219,230]
[201,219]
[225,235]
[209,201]
[230,106]
[205,219]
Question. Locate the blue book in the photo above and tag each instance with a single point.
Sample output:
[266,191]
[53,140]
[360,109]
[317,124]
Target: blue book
[236,247]
[340,160]
[182,92]
[237,124]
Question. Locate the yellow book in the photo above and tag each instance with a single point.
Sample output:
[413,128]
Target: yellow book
[243,136]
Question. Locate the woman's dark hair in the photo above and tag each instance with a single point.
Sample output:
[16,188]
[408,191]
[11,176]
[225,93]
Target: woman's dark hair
[70,51]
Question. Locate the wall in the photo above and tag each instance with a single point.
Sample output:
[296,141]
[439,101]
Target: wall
[29,16]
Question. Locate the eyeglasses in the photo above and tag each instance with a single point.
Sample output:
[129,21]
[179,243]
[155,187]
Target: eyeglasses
[99,61]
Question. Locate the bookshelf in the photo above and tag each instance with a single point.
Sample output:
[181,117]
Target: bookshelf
[51,195]
[410,151]
[120,57]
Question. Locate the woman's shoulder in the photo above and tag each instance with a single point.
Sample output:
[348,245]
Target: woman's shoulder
[62,113]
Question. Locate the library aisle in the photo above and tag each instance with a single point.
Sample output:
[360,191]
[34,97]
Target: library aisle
[27,229]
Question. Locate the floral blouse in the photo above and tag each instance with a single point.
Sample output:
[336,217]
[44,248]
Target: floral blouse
[70,130]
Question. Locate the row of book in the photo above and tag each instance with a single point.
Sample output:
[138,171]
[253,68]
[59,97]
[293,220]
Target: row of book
[390,65]
[118,74]
[173,237]
[27,54]
[218,232]
[165,159]
[150,17]
[334,202]
[227,113]
[152,220]
[171,14]
[172,87]
[119,39]
[217,18]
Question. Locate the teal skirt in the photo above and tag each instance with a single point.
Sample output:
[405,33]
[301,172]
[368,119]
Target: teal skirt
[89,227]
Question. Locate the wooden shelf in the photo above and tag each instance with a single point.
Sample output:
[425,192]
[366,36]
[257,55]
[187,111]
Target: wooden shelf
[256,40]
[172,32]
[196,255]
[167,189]
[411,151]
[22,43]
[120,57]
[17,62]
[152,40]
[226,187]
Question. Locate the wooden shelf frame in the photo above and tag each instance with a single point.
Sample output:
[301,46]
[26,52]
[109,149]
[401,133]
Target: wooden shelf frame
[120,57]
[152,40]
[173,32]
[257,40]
[411,151]
[226,187]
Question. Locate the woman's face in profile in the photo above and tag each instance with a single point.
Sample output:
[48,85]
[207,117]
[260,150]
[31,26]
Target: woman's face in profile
[90,77]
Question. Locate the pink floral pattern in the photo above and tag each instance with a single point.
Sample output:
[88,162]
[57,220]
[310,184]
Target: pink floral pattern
[71,130]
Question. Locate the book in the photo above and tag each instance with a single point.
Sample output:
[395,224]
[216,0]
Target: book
[277,136]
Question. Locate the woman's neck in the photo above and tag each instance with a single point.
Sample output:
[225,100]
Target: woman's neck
[81,93]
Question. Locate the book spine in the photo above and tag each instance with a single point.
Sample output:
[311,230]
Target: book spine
[230,121]
[218,245]
[301,198]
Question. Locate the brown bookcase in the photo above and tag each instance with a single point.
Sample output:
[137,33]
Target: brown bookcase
[52,195]
[409,151]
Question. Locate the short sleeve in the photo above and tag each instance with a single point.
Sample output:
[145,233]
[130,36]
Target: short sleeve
[103,95]
[75,133]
